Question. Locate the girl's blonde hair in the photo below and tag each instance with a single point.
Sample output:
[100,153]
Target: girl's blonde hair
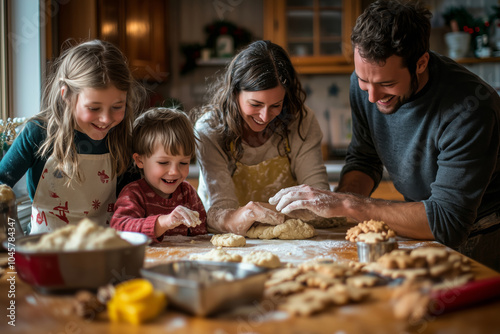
[169,127]
[93,64]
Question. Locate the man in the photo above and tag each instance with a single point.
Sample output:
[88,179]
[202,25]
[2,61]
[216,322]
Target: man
[432,124]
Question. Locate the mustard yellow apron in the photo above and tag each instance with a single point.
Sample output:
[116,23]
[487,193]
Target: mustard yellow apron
[261,181]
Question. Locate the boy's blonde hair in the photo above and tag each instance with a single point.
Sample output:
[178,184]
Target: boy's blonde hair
[94,64]
[169,127]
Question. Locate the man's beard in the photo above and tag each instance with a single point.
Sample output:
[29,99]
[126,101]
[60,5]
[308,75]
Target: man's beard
[401,99]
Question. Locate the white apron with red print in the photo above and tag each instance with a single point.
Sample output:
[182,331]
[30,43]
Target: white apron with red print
[56,205]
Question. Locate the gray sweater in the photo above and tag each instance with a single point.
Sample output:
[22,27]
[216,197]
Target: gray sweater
[440,148]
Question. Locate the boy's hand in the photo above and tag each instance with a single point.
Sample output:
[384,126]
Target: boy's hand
[180,216]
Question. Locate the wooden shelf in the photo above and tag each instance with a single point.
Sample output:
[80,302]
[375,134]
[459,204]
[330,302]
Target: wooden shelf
[213,62]
[473,60]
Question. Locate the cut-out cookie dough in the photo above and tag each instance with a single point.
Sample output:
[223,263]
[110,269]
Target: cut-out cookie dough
[228,240]
[263,259]
[312,300]
[283,289]
[289,230]
[217,255]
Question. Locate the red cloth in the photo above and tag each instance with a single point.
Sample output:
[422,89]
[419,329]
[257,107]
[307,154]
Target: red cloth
[138,207]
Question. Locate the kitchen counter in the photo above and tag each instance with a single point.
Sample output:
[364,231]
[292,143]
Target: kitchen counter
[52,313]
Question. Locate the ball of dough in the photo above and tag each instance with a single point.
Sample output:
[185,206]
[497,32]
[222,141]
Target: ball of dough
[228,240]
[263,259]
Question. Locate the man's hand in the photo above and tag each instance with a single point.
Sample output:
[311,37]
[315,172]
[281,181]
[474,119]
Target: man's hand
[294,201]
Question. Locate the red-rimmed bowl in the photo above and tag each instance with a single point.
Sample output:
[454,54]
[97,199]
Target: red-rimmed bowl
[57,271]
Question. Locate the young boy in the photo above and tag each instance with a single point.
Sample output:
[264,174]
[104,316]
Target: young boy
[161,203]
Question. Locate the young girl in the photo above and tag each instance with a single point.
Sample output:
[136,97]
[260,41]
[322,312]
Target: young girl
[256,137]
[161,203]
[77,146]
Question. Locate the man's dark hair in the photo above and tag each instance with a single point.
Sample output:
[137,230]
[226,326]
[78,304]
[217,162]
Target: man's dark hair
[387,28]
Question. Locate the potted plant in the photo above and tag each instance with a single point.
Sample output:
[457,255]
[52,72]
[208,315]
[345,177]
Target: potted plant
[461,24]
[495,28]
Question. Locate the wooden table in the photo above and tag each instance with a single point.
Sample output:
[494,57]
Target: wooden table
[51,314]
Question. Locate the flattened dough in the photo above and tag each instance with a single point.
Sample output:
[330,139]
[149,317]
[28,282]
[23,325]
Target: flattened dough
[263,259]
[217,255]
[289,230]
[228,240]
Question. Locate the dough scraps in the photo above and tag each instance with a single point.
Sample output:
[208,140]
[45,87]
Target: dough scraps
[291,229]
[228,240]
[381,232]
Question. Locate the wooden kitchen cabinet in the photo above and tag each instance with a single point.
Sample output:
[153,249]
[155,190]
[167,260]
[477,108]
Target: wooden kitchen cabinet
[316,33]
[139,29]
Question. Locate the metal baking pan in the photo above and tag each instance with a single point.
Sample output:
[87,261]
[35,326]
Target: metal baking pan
[203,288]
[66,271]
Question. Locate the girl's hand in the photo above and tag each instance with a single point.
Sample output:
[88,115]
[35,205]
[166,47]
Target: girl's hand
[179,216]
[301,201]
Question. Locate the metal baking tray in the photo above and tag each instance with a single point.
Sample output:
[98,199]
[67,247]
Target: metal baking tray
[66,271]
[203,288]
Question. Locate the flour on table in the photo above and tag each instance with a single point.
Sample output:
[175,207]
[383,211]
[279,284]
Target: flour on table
[228,240]
[263,259]
[291,229]
[217,255]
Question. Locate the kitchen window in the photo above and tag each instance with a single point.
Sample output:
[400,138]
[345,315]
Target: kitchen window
[4,93]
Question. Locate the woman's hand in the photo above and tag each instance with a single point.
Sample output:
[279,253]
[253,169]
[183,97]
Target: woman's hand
[240,220]
[179,216]
[255,211]
[305,201]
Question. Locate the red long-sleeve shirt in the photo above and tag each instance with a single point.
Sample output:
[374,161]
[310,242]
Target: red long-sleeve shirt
[138,207]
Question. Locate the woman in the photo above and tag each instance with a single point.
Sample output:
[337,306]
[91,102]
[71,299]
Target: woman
[256,137]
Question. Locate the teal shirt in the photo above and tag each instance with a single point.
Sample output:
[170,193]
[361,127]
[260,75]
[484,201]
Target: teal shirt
[22,157]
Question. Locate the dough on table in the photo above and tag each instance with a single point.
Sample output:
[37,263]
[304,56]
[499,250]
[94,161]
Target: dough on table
[291,229]
[86,235]
[217,255]
[228,240]
[263,259]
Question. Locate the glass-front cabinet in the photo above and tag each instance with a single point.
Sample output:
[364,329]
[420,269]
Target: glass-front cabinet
[316,33]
